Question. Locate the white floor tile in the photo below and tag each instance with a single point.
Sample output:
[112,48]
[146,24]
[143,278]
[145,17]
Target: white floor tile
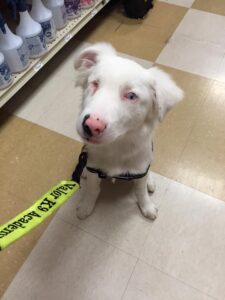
[203,26]
[63,62]
[187,241]
[117,218]
[192,56]
[53,104]
[147,283]
[70,264]
[185,3]
[197,45]
[61,114]
[33,100]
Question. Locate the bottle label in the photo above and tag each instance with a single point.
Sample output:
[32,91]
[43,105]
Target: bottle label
[72,8]
[36,44]
[49,30]
[5,75]
[23,54]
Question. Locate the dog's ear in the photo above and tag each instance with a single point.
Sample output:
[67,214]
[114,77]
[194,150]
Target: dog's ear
[166,92]
[89,56]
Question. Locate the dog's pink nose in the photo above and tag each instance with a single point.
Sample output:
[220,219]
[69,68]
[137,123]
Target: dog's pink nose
[93,125]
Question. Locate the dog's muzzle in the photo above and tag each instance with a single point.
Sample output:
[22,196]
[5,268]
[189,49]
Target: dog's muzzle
[93,126]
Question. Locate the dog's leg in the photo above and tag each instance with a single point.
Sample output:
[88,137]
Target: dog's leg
[89,195]
[150,183]
[147,207]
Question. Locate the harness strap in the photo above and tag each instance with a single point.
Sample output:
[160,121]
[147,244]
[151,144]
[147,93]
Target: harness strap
[125,176]
[82,162]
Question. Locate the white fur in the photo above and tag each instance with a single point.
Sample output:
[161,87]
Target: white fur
[126,143]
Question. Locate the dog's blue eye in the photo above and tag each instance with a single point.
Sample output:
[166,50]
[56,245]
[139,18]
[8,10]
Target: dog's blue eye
[131,96]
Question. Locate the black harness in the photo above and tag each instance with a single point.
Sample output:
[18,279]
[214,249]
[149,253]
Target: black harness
[82,163]
[125,176]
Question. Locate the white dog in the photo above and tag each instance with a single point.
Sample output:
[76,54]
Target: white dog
[122,103]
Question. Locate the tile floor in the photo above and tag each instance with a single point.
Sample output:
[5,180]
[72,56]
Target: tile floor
[116,253]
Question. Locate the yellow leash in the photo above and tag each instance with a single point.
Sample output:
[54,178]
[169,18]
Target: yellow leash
[37,213]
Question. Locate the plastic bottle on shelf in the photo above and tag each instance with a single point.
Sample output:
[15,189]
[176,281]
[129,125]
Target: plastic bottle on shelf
[44,16]
[31,31]
[59,12]
[87,3]
[14,49]
[5,73]
[73,9]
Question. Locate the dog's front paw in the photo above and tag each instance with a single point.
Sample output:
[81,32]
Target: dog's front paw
[150,184]
[84,210]
[150,211]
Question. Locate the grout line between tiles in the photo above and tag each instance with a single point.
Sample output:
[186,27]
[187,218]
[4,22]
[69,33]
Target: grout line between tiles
[193,125]
[115,247]
[190,187]
[110,244]
[200,41]
[129,279]
[171,35]
[97,237]
[204,11]
[145,239]
[119,25]
[178,279]
[158,206]
[176,4]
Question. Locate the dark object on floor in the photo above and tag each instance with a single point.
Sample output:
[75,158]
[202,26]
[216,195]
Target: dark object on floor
[137,9]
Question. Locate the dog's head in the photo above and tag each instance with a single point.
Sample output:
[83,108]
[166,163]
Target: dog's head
[120,96]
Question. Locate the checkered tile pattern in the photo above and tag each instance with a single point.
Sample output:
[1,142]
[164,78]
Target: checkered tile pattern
[116,254]
[186,35]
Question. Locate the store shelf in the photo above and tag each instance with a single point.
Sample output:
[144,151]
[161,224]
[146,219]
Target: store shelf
[63,36]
